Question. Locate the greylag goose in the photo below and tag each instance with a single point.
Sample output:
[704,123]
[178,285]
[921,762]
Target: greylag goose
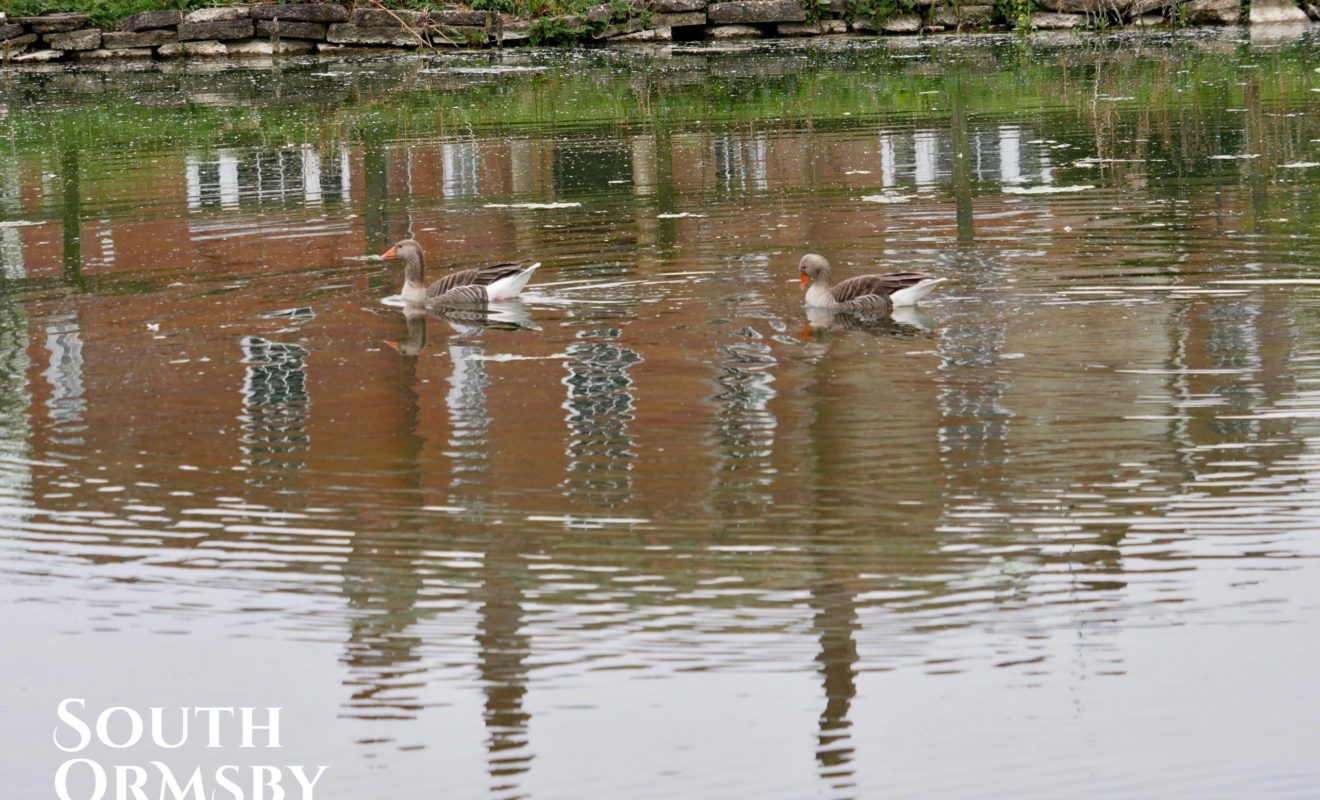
[463,288]
[876,293]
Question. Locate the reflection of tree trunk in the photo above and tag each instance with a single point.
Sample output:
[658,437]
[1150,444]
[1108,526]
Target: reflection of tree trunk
[375,182]
[836,627]
[1256,141]
[962,159]
[382,580]
[504,649]
[666,196]
[833,598]
[72,216]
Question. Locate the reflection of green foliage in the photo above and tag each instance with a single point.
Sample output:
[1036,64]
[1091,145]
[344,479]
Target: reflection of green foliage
[834,90]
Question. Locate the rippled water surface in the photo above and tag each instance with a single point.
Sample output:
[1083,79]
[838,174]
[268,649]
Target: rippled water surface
[655,532]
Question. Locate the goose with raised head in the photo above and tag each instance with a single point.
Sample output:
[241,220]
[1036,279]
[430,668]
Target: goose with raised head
[874,293]
[467,287]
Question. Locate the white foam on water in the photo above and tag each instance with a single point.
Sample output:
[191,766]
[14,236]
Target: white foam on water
[533,205]
[1078,187]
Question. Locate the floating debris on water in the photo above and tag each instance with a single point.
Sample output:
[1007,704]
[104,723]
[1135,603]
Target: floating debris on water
[1047,189]
[301,312]
[533,205]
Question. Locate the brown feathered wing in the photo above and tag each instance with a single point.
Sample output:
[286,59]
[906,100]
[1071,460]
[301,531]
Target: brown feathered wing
[872,291]
[465,286]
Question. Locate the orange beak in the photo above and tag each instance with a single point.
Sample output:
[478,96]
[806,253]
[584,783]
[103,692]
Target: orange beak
[393,345]
[388,254]
[805,280]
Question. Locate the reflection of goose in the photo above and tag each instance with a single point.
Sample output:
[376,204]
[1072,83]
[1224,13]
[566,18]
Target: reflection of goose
[873,293]
[902,322]
[463,288]
[510,315]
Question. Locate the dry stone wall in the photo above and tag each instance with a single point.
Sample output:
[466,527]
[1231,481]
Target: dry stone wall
[301,28]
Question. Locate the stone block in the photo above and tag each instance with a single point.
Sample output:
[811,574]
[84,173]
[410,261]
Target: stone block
[1275,12]
[513,31]
[1213,12]
[328,49]
[1148,21]
[118,53]
[1046,21]
[89,39]
[292,30]
[678,6]
[678,20]
[1142,7]
[219,30]
[10,30]
[733,32]
[901,23]
[1079,6]
[646,35]
[459,18]
[303,12]
[798,29]
[37,56]
[457,35]
[745,12]
[621,29]
[115,40]
[344,33]
[55,23]
[193,50]
[220,14]
[862,24]
[381,18]
[19,43]
[150,21]
[265,47]
[965,16]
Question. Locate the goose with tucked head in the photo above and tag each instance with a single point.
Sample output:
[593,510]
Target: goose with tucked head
[468,287]
[874,293]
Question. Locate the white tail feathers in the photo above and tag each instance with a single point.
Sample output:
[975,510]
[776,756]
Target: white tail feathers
[508,288]
[914,294]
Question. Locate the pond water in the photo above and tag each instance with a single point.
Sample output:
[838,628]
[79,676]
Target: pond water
[654,532]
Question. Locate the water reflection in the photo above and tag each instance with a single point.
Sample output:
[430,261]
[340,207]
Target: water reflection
[66,404]
[745,424]
[273,423]
[468,417]
[1086,448]
[599,408]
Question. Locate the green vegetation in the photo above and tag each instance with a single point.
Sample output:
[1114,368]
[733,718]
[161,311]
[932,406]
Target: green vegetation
[102,12]
[1015,12]
[107,12]
[880,11]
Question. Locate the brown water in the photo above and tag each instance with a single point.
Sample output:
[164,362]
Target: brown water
[655,532]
